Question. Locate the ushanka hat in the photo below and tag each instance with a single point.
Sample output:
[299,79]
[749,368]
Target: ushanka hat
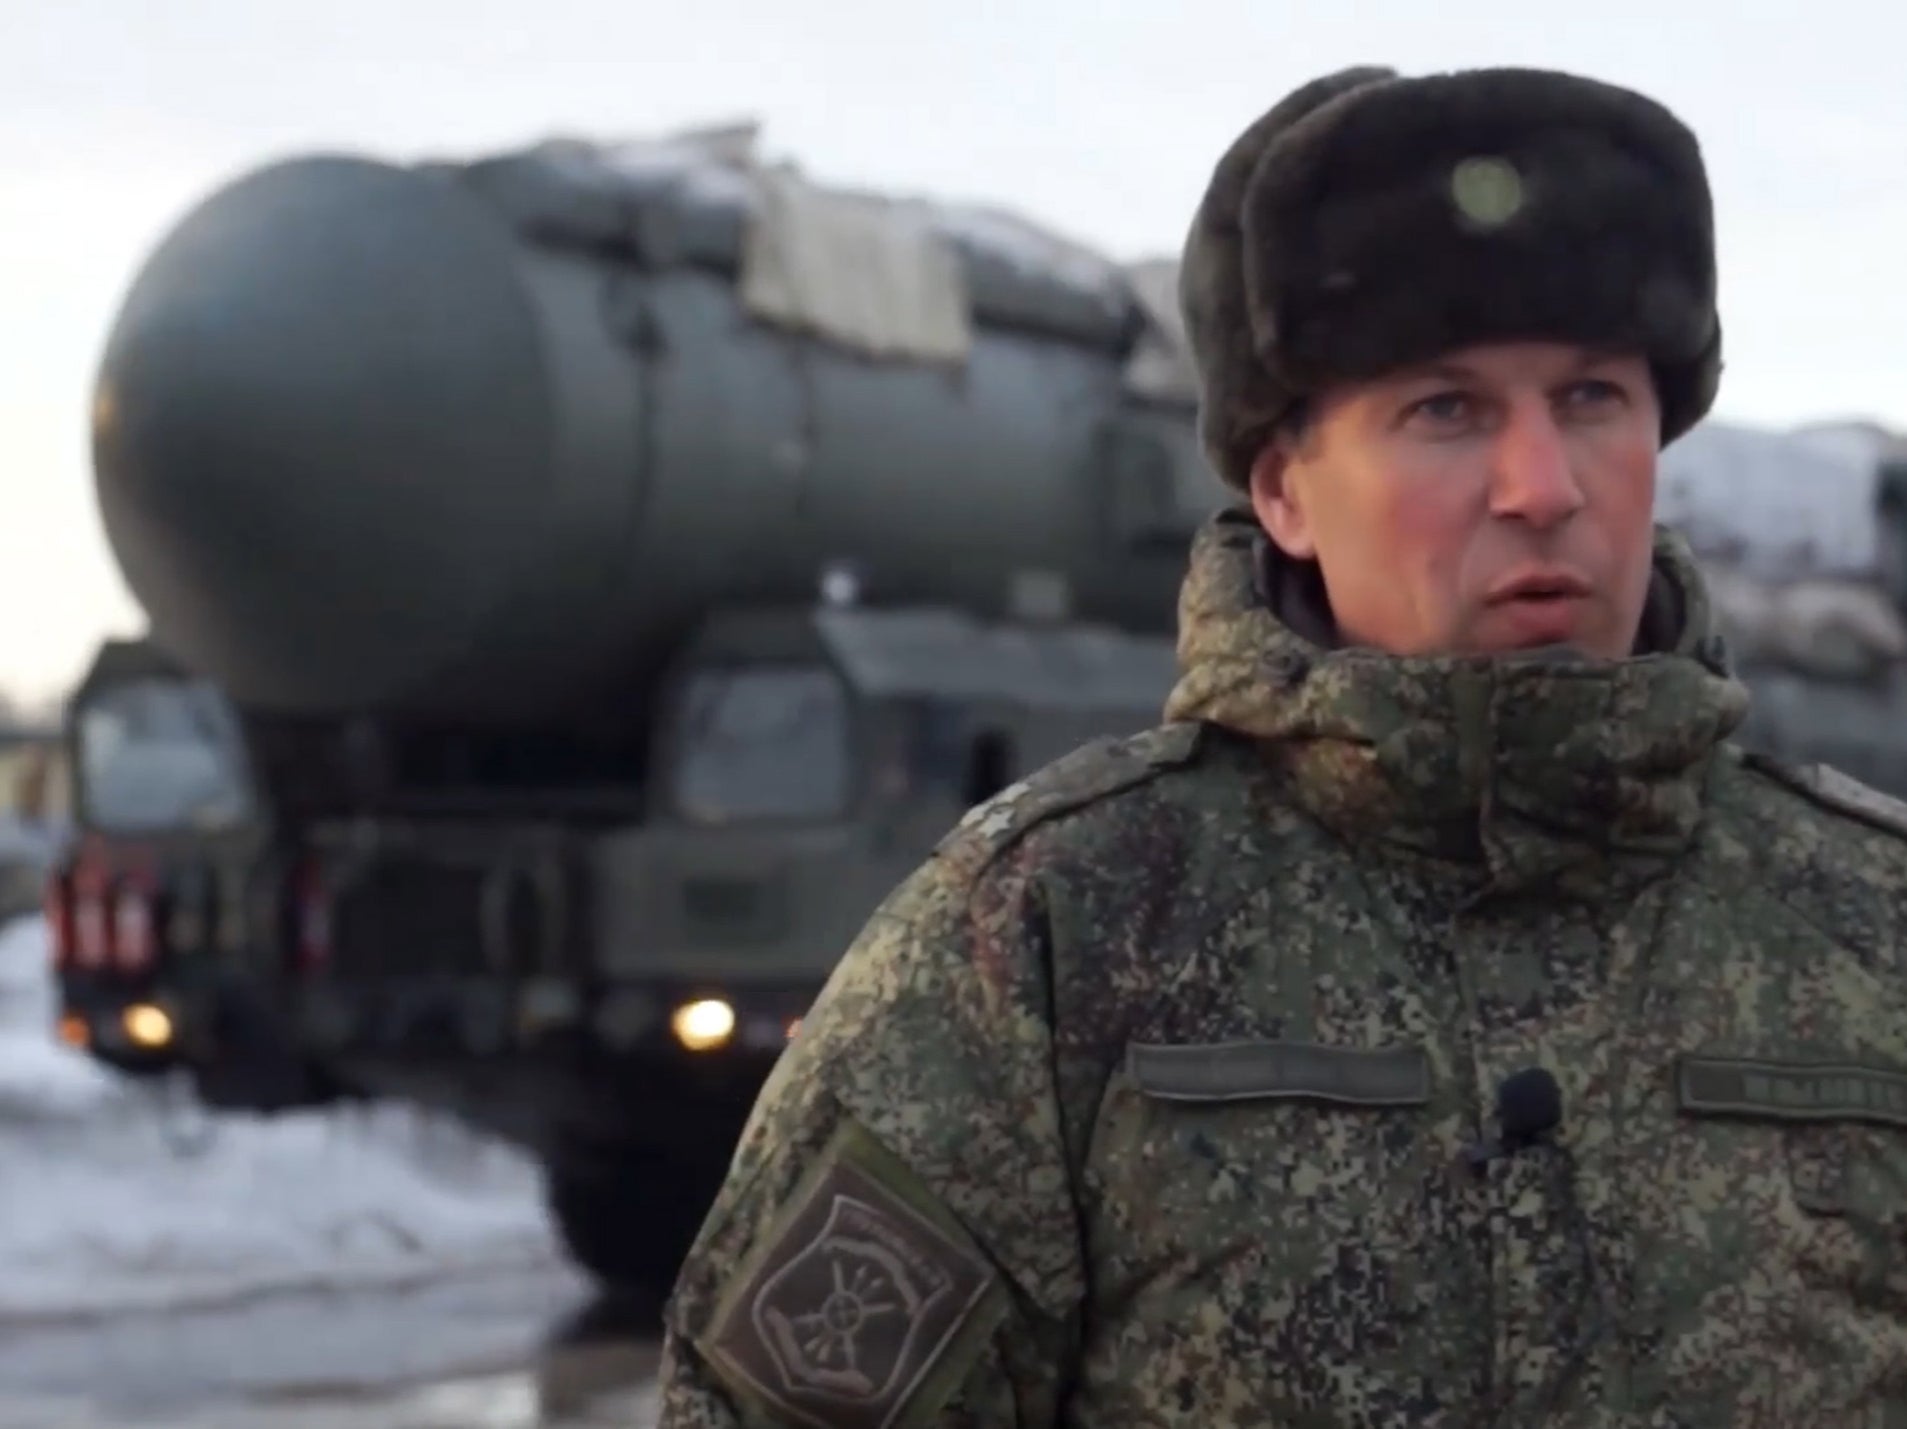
[1368,222]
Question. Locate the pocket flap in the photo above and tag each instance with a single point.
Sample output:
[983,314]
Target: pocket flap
[1245,1071]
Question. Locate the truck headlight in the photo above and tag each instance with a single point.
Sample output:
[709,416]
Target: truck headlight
[705,1025]
[146,1025]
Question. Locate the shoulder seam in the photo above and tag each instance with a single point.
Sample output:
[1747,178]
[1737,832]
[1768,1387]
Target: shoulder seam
[1828,787]
[1005,819]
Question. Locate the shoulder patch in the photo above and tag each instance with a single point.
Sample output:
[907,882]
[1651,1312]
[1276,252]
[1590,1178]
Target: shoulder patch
[1832,789]
[864,1306]
[1090,772]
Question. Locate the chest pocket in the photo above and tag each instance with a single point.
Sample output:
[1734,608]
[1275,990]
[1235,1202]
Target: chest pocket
[1291,1212]
[1834,1135]
[1294,1164]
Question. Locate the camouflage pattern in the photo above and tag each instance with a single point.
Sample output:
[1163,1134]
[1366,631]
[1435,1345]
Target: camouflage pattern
[1146,1100]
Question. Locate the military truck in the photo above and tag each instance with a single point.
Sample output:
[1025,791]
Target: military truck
[581,582]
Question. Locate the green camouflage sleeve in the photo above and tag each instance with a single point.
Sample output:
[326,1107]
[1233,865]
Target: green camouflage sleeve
[895,1243]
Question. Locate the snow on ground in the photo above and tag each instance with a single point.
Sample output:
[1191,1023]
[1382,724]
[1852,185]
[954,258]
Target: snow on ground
[40,1080]
[119,1195]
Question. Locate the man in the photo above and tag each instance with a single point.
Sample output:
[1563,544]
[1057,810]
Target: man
[1436,1021]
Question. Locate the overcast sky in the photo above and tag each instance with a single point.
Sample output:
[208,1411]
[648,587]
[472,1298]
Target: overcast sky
[1098,117]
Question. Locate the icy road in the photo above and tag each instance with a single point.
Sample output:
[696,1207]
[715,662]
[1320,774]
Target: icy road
[372,1268]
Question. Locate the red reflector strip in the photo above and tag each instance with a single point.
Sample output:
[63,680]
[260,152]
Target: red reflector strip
[133,944]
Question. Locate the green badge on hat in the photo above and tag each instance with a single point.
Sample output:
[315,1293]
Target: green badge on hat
[1487,189]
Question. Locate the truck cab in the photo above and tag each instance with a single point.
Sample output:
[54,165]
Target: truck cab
[152,904]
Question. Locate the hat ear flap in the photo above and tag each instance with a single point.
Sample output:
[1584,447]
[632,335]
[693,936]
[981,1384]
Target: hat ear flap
[1239,404]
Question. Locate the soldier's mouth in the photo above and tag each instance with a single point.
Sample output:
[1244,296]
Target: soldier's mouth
[1547,584]
[1538,618]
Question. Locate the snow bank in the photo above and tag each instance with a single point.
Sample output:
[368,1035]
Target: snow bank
[117,1194]
[39,1079]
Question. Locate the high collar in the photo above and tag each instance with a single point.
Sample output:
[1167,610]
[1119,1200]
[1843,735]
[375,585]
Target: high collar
[1524,768]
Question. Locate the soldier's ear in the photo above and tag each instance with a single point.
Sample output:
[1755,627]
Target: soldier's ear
[1277,499]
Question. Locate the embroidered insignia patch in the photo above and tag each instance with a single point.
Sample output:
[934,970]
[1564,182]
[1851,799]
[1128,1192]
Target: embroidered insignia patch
[858,1296]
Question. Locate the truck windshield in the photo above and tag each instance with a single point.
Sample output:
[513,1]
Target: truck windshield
[763,742]
[160,754]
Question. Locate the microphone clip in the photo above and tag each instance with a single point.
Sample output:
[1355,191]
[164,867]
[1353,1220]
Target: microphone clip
[1529,1107]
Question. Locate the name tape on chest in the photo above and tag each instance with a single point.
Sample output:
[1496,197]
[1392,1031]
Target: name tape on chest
[1790,1091]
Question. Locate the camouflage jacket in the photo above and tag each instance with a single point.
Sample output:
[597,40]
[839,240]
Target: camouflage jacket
[1148,1100]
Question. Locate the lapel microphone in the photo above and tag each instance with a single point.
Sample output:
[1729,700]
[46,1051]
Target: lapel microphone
[1529,1106]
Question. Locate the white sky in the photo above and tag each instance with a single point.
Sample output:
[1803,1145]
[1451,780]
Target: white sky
[1100,117]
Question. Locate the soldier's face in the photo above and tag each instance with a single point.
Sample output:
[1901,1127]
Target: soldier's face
[1501,498]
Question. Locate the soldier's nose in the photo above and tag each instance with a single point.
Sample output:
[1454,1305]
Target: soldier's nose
[1532,477]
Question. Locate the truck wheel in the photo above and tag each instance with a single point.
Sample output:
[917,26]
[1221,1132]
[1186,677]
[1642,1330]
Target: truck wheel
[634,1153]
[629,1221]
[253,1062]
[274,1084]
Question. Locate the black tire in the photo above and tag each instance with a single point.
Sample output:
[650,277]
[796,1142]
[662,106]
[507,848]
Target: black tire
[253,1062]
[635,1153]
[269,1084]
[629,1217]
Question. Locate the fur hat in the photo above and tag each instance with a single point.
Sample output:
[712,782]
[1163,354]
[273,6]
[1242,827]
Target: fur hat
[1367,222]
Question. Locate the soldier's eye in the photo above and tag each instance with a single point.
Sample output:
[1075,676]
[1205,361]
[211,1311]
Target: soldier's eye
[1595,392]
[1441,409]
